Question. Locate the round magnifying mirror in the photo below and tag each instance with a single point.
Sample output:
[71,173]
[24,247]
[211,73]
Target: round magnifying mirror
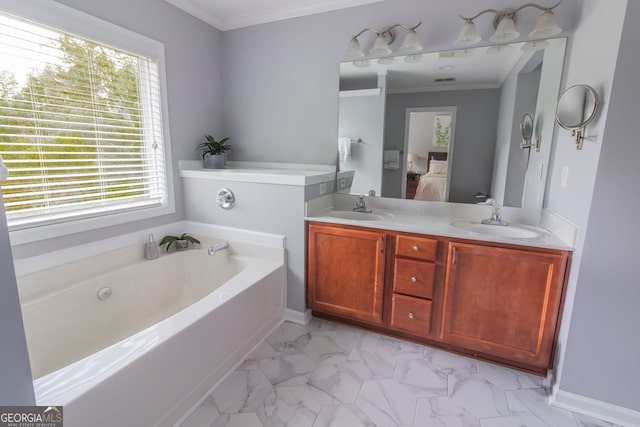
[577,107]
[526,127]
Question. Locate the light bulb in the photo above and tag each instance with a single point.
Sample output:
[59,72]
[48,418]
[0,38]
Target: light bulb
[506,31]
[354,51]
[381,46]
[547,26]
[411,42]
[468,34]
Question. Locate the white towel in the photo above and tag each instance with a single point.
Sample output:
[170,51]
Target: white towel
[391,159]
[344,149]
[4,172]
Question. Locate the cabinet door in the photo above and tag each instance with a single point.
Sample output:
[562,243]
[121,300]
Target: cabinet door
[503,302]
[345,272]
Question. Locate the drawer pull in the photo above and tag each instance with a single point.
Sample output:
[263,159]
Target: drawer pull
[416,249]
[410,315]
[414,280]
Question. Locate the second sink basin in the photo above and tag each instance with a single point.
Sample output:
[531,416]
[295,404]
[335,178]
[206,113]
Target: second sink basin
[361,216]
[514,231]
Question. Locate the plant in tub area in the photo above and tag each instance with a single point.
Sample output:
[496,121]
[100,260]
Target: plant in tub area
[181,242]
[214,152]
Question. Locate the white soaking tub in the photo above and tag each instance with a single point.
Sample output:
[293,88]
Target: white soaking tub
[167,332]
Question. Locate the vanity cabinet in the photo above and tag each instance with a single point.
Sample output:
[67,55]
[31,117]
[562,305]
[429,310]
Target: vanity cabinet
[413,280]
[503,302]
[345,271]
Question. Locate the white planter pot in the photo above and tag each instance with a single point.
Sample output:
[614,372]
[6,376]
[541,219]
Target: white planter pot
[216,161]
[182,245]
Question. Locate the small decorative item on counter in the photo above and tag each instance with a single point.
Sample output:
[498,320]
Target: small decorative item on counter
[182,242]
[151,250]
[214,152]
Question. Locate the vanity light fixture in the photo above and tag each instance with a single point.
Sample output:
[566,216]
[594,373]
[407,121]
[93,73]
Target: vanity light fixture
[501,48]
[534,45]
[384,38]
[413,59]
[504,22]
[361,63]
[387,60]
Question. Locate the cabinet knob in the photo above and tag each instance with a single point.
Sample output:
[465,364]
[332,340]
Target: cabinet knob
[414,280]
[410,315]
[416,249]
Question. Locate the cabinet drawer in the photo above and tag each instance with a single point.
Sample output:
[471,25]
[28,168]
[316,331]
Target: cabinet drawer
[411,314]
[414,277]
[416,247]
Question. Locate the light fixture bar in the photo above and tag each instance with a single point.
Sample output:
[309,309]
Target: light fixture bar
[384,37]
[504,24]
[545,8]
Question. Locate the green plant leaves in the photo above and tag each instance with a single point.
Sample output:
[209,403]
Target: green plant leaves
[169,240]
[213,147]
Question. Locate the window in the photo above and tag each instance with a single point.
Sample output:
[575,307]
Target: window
[81,124]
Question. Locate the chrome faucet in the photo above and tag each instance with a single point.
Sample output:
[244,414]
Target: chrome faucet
[217,247]
[496,216]
[361,206]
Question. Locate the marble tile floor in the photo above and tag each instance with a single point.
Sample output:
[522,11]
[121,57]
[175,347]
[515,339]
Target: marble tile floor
[326,374]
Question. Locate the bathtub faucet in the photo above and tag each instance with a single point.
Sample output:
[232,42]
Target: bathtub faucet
[217,247]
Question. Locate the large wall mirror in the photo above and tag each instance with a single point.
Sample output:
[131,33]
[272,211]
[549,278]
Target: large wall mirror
[445,126]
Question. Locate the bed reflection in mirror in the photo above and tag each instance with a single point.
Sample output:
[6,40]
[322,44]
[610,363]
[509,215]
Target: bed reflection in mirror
[445,126]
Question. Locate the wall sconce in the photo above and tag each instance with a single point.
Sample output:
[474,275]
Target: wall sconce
[385,37]
[504,22]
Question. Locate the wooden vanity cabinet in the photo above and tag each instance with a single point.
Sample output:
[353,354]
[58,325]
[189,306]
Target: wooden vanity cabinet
[496,301]
[345,271]
[503,302]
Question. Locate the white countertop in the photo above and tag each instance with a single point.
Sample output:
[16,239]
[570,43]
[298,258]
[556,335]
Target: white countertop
[260,172]
[437,225]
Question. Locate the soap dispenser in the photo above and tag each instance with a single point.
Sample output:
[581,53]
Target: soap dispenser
[151,250]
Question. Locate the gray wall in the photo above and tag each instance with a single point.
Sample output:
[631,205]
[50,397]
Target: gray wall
[474,140]
[591,59]
[603,349]
[525,103]
[15,373]
[192,53]
[267,208]
[363,117]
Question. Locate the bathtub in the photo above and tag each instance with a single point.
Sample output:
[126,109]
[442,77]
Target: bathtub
[161,335]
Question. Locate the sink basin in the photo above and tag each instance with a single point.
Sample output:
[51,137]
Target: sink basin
[514,231]
[361,216]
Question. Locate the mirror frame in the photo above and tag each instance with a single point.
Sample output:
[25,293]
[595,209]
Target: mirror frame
[578,129]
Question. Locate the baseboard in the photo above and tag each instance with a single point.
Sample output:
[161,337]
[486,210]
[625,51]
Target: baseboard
[594,408]
[301,318]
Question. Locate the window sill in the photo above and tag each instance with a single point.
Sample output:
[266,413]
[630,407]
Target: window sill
[73,226]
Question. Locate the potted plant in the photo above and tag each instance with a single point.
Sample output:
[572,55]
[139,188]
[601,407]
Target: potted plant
[181,242]
[213,152]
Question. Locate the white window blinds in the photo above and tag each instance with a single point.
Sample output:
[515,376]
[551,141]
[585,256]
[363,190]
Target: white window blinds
[80,126]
